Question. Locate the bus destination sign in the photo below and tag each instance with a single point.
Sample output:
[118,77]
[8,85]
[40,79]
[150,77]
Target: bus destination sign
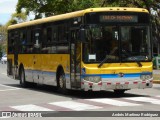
[119,18]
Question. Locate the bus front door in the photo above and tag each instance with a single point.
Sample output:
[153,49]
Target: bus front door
[75,61]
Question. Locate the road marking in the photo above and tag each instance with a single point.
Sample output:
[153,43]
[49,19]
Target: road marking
[4,73]
[145,99]
[30,108]
[113,102]
[11,88]
[54,107]
[85,104]
[6,86]
[75,105]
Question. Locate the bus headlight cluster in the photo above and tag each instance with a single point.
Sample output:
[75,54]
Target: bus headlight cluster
[95,79]
[145,77]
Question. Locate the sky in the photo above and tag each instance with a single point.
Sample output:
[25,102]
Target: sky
[7,7]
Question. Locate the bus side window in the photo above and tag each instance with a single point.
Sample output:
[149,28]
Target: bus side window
[10,42]
[23,41]
[37,40]
[62,32]
[49,35]
[29,43]
[62,43]
[55,34]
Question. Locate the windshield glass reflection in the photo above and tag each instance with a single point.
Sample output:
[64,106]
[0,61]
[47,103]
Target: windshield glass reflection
[125,43]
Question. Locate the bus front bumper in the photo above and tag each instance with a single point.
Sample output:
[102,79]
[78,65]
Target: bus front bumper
[116,85]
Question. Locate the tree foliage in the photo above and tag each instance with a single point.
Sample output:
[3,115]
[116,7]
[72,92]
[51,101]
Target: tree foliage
[17,18]
[53,7]
[3,39]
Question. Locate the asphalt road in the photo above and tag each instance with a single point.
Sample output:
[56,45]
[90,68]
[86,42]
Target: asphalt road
[44,98]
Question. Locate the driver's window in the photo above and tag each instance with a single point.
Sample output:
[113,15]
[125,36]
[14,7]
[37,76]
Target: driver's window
[126,39]
[97,32]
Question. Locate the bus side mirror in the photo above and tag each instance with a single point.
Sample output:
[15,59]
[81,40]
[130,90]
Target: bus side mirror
[82,35]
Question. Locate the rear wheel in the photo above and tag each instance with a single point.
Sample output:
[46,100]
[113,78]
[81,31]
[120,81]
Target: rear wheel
[23,82]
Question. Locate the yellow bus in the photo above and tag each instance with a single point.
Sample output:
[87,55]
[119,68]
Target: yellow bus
[95,49]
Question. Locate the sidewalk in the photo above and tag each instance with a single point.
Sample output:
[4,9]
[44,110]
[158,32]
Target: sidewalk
[156,76]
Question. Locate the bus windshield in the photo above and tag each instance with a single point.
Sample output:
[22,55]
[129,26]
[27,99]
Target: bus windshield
[117,43]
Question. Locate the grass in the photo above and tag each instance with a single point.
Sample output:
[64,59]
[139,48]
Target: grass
[156,76]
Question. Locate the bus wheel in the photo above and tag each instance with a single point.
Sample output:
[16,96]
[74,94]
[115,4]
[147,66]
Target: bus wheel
[119,92]
[23,82]
[62,83]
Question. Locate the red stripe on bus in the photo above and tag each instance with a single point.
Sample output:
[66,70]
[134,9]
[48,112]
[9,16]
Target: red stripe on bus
[100,83]
[118,83]
[126,82]
[144,82]
[108,83]
[90,84]
[135,82]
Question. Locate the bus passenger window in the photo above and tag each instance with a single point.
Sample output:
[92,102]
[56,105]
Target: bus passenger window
[23,42]
[37,38]
[55,35]
[10,42]
[62,32]
[49,35]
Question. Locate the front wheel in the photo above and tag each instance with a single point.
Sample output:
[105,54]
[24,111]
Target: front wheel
[62,83]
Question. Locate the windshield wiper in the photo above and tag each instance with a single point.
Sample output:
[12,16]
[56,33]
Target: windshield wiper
[139,63]
[105,59]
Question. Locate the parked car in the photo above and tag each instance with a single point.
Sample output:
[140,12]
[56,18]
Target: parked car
[4,59]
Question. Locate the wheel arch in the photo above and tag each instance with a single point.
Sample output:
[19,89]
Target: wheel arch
[58,71]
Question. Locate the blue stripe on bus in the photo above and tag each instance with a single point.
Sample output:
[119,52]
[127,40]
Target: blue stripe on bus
[116,75]
[127,75]
[45,72]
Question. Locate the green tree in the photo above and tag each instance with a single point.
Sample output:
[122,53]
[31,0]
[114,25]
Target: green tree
[0,51]
[3,33]
[53,7]
[3,39]
[17,18]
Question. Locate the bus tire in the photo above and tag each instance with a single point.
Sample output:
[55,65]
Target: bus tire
[62,83]
[23,82]
[119,92]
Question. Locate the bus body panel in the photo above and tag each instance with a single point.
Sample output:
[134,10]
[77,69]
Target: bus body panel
[42,68]
[113,68]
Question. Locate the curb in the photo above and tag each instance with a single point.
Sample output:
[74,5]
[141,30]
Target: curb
[156,81]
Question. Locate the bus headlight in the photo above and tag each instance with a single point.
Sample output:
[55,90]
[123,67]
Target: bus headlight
[145,77]
[95,79]
[148,77]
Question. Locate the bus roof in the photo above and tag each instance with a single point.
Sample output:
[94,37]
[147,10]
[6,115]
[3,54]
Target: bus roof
[76,14]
